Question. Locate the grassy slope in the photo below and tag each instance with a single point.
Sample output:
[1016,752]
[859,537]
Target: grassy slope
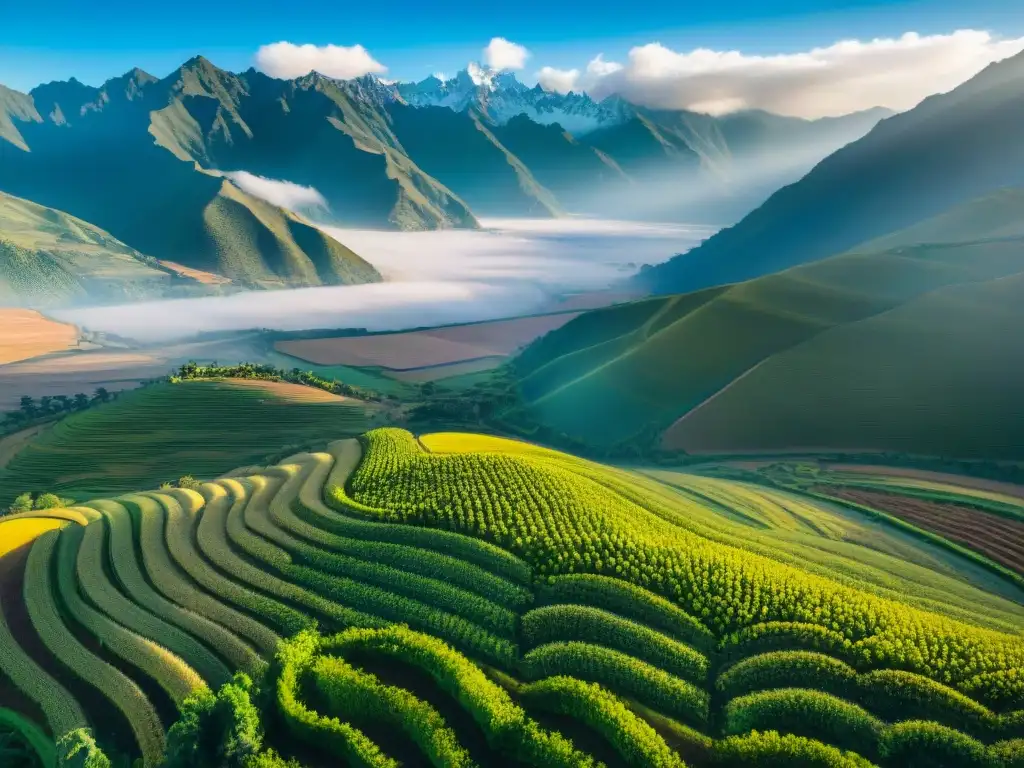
[654,372]
[161,432]
[935,376]
[49,255]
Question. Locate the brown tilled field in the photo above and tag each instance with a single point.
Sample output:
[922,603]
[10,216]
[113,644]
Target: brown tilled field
[24,333]
[998,538]
[422,349]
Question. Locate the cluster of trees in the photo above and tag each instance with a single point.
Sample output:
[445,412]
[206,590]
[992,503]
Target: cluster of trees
[26,503]
[48,407]
[266,372]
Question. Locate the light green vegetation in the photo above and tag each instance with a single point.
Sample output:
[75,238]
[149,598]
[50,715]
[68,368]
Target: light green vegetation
[162,432]
[484,602]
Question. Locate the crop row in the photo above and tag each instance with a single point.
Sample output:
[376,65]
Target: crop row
[593,625]
[888,693]
[505,725]
[824,717]
[628,600]
[440,594]
[192,661]
[622,674]
[351,518]
[59,707]
[357,696]
[163,534]
[118,689]
[561,521]
[632,737]
[364,604]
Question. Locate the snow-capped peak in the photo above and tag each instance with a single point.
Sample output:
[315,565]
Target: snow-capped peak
[500,96]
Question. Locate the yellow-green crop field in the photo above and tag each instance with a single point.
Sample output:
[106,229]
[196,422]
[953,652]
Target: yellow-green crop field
[459,600]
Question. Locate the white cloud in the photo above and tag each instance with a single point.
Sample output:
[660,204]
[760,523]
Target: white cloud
[558,80]
[283,194]
[847,76]
[565,80]
[288,60]
[502,54]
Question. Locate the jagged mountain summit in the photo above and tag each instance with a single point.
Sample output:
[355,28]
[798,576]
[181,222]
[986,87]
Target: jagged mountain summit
[500,96]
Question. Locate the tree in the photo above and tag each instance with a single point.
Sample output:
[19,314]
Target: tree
[189,483]
[45,403]
[216,731]
[63,402]
[28,405]
[78,749]
[81,401]
[23,503]
[48,501]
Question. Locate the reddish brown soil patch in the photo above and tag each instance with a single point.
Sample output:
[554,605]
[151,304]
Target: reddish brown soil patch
[998,538]
[435,372]
[288,391]
[421,349]
[24,333]
[980,483]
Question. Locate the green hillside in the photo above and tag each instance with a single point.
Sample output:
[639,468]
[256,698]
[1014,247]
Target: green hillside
[934,376]
[470,601]
[647,364]
[950,149]
[49,257]
[146,437]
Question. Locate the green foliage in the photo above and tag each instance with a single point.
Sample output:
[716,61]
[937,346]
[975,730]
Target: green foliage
[23,503]
[636,741]
[921,744]
[805,713]
[219,730]
[592,625]
[770,749]
[192,371]
[784,636]
[561,521]
[787,669]
[357,696]
[189,483]
[627,600]
[620,673]
[78,749]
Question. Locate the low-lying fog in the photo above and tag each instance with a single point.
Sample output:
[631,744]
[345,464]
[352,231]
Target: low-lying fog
[512,266]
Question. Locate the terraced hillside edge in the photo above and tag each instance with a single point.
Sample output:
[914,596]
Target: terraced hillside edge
[484,602]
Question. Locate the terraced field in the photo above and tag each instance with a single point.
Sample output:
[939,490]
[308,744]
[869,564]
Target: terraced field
[463,600]
[149,436]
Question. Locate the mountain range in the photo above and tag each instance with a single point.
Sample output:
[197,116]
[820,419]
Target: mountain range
[150,161]
[950,149]
[872,305]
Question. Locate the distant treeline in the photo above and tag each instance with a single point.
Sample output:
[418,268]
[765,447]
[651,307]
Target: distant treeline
[261,371]
[49,408]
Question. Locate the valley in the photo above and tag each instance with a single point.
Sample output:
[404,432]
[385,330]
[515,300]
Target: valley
[662,411]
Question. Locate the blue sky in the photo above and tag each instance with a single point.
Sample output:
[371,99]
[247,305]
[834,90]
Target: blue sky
[42,41]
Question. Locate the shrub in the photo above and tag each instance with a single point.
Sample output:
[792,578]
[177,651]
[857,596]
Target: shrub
[769,749]
[21,503]
[805,713]
[786,669]
[216,731]
[922,744]
[78,749]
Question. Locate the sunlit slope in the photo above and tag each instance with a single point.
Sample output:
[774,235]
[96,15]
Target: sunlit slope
[49,257]
[159,433]
[557,612]
[936,376]
[643,366]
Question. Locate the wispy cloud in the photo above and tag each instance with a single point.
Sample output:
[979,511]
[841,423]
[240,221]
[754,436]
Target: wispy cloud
[847,76]
[284,194]
[289,60]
